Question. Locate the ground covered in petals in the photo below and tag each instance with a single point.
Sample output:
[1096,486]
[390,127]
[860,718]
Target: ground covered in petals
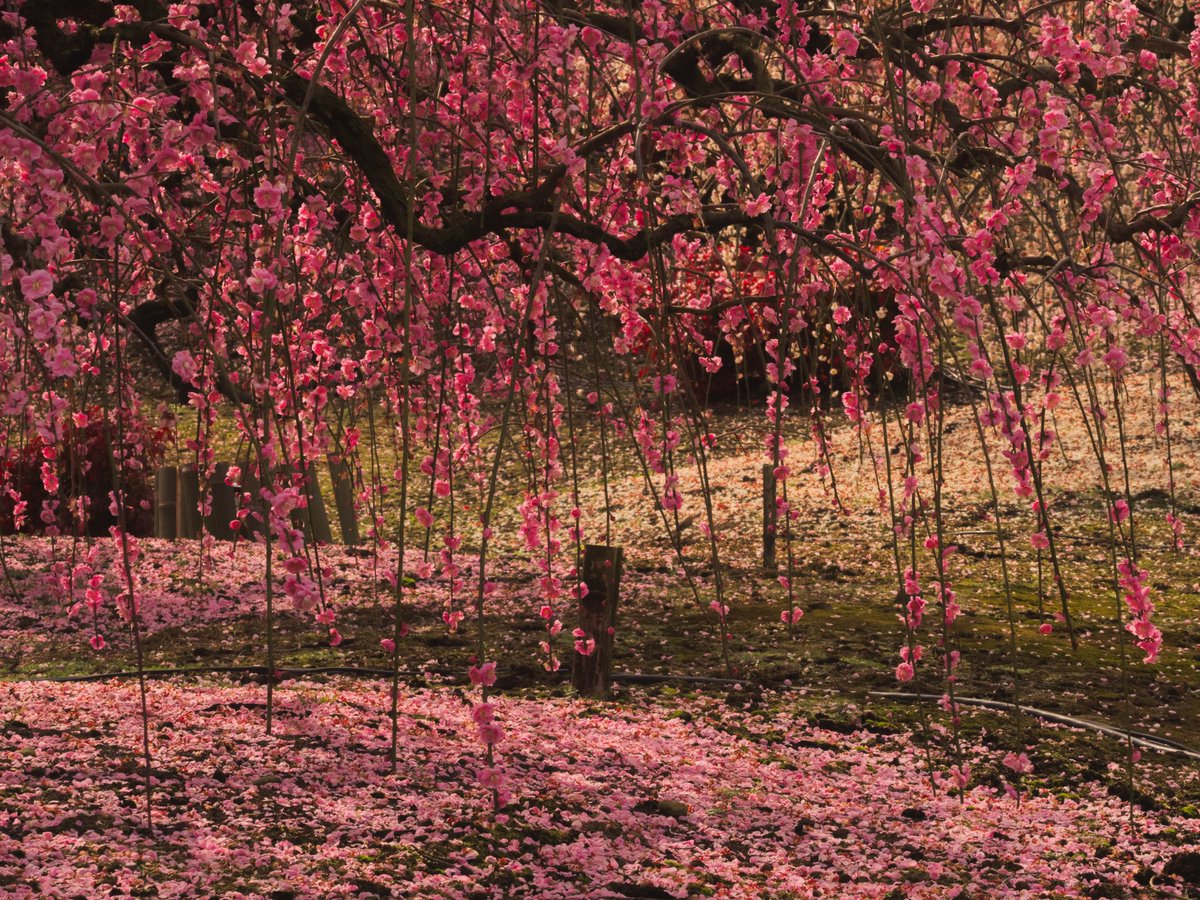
[788,775]
[639,798]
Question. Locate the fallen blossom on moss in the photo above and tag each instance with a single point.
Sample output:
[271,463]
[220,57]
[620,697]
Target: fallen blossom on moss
[682,798]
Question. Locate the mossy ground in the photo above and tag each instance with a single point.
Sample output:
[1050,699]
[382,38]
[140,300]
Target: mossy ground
[845,647]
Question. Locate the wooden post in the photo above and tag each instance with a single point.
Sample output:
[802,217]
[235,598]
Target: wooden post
[188,520]
[591,675]
[313,520]
[342,477]
[769,517]
[224,505]
[166,501]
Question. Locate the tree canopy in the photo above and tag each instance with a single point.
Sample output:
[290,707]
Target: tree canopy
[495,217]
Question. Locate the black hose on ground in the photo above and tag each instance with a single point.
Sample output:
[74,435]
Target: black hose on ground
[1140,739]
[283,671]
[358,671]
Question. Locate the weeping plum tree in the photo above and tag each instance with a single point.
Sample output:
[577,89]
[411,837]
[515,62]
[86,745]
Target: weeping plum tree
[460,227]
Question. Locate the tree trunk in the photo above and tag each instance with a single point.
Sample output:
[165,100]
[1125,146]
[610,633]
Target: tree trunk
[342,476]
[224,505]
[313,520]
[769,518]
[166,502]
[188,521]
